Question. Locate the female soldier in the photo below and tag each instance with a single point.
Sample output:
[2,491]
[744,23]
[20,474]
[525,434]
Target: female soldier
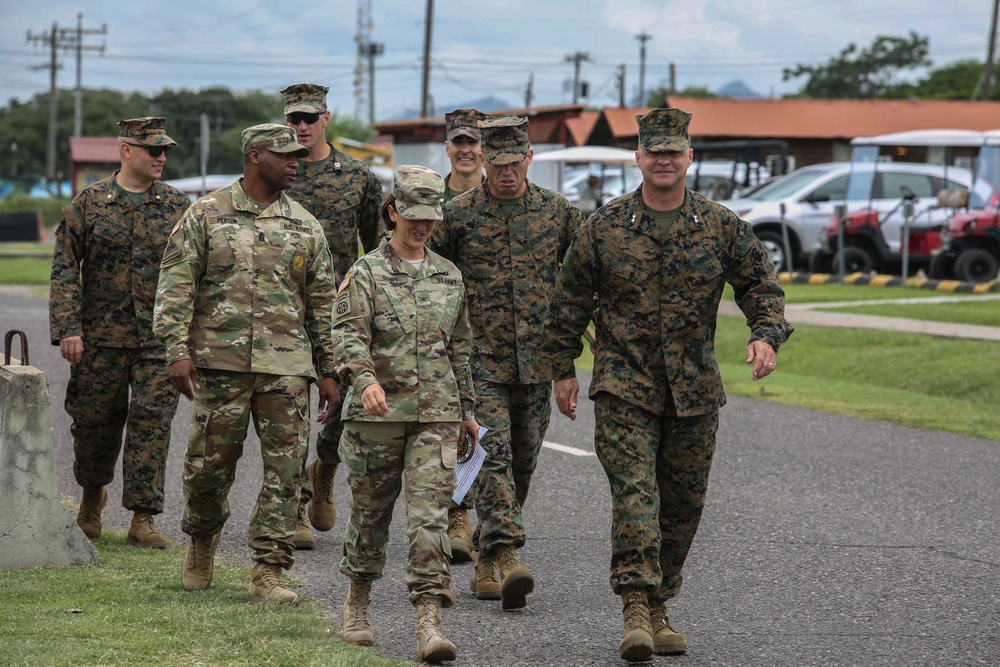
[402,341]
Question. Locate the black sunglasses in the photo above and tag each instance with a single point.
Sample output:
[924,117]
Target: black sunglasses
[298,117]
[155,151]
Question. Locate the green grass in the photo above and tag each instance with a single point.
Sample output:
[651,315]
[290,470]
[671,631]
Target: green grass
[25,270]
[130,610]
[984,312]
[798,293]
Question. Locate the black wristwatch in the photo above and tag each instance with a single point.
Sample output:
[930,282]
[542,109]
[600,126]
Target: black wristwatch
[331,376]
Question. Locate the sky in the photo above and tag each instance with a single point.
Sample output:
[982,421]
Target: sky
[478,48]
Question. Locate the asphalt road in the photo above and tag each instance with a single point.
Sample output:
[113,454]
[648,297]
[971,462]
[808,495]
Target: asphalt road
[826,541]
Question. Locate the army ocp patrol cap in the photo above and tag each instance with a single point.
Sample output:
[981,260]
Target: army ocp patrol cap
[504,140]
[305,97]
[662,130]
[418,192]
[272,137]
[463,122]
[148,131]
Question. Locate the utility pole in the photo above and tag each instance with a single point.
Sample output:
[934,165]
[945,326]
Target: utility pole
[426,78]
[80,48]
[576,59]
[621,85]
[373,49]
[529,92]
[643,37]
[984,87]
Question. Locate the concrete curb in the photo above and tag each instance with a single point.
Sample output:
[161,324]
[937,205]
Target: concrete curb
[879,280]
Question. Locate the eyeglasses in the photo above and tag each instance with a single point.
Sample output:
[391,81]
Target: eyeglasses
[298,117]
[155,151]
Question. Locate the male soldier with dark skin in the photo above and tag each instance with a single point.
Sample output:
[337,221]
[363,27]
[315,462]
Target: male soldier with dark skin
[507,237]
[244,307]
[345,196]
[104,272]
[657,260]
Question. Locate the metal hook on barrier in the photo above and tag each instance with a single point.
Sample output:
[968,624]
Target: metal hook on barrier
[6,347]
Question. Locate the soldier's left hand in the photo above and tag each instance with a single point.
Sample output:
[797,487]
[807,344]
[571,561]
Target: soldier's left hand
[329,399]
[763,357]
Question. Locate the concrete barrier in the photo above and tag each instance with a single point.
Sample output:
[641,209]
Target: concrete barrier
[35,529]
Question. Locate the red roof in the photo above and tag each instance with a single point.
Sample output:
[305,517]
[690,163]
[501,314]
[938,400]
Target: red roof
[94,150]
[580,127]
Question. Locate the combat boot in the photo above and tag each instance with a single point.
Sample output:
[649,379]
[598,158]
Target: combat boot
[485,580]
[432,646]
[515,579]
[637,641]
[460,534]
[199,564]
[143,533]
[322,510]
[89,517]
[666,640]
[356,619]
[266,586]
[303,538]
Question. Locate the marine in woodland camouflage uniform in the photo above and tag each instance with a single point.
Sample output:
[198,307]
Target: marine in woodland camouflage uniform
[104,272]
[507,237]
[246,297]
[658,260]
[403,341]
[344,195]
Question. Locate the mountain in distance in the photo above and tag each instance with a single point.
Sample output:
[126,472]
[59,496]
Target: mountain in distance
[737,90]
[485,104]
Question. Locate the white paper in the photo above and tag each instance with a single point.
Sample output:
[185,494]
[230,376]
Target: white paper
[465,473]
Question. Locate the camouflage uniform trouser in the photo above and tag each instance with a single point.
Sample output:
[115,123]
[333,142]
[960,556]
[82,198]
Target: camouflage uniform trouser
[378,456]
[97,399]
[221,413]
[327,442]
[658,468]
[517,416]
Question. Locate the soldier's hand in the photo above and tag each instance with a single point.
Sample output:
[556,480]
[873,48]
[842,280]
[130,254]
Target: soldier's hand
[763,357]
[566,393]
[71,349]
[373,400]
[470,426]
[329,399]
[184,377]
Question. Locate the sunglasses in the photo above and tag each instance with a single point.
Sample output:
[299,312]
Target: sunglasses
[155,151]
[298,117]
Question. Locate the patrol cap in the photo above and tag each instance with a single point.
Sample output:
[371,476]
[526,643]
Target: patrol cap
[273,137]
[663,130]
[418,192]
[148,131]
[504,140]
[305,97]
[463,122]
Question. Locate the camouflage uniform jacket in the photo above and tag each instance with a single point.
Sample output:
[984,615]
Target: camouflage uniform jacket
[510,267]
[658,299]
[345,197]
[247,292]
[450,194]
[106,263]
[408,329]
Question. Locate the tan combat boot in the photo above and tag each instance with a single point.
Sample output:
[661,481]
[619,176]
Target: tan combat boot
[199,564]
[356,619]
[432,646]
[266,586]
[322,510]
[666,640]
[303,538]
[460,534]
[515,579]
[485,580]
[89,517]
[637,641]
[143,533]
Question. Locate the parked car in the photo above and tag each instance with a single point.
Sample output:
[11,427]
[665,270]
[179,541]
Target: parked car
[809,195]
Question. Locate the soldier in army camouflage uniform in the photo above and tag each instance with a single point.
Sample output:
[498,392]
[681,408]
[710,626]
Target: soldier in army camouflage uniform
[403,340]
[246,297]
[344,196]
[657,260]
[104,271]
[507,237]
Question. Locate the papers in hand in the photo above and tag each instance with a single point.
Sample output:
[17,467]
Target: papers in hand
[465,473]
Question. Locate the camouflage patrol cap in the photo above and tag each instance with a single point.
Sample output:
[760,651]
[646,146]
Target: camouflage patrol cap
[273,137]
[505,139]
[148,131]
[463,122]
[305,97]
[663,130]
[418,192]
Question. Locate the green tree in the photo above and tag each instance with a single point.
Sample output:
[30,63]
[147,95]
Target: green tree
[955,81]
[867,72]
[657,97]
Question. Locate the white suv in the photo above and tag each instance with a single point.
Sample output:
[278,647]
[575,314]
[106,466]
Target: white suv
[811,193]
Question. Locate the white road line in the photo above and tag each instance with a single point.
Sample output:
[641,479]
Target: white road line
[567,450]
